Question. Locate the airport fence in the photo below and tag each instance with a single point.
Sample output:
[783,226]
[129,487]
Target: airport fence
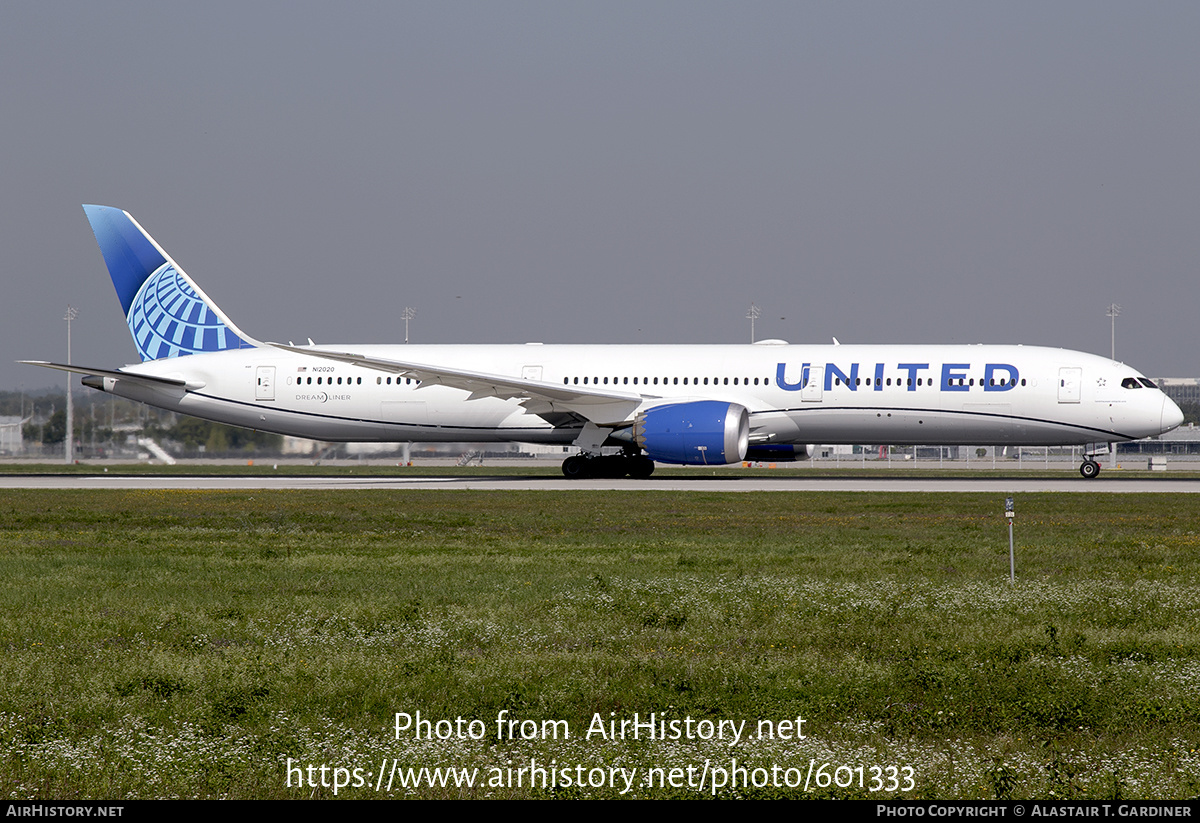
[1149,454]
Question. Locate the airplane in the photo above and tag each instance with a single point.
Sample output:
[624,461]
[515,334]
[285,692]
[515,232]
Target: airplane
[678,404]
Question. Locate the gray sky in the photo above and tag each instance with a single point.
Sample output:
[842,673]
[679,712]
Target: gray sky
[612,172]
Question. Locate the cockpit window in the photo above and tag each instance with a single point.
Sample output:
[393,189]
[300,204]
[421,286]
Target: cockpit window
[1147,382]
[1130,383]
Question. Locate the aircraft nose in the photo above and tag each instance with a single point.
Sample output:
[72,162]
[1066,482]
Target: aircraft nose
[1172,415]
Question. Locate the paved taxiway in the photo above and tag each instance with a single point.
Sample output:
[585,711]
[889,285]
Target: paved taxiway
[977,484]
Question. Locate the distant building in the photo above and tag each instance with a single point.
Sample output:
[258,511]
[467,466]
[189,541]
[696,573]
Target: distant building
[1180,389]
[299,446]
[12,434]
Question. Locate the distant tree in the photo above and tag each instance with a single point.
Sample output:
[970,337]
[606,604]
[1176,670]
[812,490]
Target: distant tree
[191,432]
[1191,412]
[14,403]
[32,432]
[55,430]
[218,439]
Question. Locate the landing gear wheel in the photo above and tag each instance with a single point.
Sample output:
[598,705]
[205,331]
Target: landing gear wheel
[609,466]
[1090,469]
[640,467]
[576,468]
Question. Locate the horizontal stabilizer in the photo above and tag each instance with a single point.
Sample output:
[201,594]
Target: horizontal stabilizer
[144,379]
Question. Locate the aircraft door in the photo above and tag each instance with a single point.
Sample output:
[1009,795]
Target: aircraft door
[814,381]
[1069,381]
[264,383]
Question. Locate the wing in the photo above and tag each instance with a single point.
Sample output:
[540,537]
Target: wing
[608,409]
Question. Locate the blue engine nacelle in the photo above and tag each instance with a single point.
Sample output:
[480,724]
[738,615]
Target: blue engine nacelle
[704,432]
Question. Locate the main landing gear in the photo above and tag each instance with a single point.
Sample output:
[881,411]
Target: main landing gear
[614,465]
[1090,468]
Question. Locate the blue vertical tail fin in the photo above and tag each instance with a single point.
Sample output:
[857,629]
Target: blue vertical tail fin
[168,314]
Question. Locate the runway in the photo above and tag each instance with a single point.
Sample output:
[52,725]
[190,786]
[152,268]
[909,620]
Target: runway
[776,483]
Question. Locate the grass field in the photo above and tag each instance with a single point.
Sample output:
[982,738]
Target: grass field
[194,644]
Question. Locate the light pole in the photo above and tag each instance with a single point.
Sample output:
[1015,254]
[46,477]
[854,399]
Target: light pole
[71,314]
[409,314]
[752,315]
[1113,311]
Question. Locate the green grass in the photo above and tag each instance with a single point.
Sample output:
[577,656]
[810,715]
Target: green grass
[188,643]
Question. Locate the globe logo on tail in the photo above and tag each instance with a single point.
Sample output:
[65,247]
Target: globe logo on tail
[168,319]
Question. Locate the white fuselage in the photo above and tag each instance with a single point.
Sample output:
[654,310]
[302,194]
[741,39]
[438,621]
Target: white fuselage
[796,394]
